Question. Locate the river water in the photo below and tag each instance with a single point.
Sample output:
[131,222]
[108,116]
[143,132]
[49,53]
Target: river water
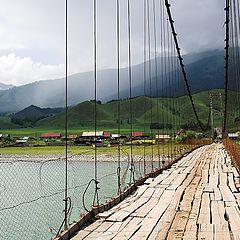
[32,193]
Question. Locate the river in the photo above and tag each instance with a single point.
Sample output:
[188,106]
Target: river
[32,193]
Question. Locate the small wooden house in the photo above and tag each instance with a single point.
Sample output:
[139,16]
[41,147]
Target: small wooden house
[72,137]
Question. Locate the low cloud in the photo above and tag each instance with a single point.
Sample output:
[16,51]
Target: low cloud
[16,70]
[37,29]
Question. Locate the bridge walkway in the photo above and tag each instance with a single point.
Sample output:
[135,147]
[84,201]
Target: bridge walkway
[197,198]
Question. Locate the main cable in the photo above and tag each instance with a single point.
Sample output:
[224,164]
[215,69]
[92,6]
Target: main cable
[227,21]
[182,66]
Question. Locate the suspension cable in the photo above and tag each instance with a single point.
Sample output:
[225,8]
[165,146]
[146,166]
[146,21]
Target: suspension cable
[96,199]
[156,76]
[150,78]
[132,168]
[168,89]
[227,10]
[182,65]
[66,118]
[145,80]
[118,96]
[164,68]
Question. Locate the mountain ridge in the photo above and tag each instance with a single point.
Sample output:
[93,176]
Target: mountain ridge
[50,93]
[4,86]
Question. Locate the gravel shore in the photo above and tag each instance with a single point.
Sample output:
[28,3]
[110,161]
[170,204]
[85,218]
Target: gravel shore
[77,157]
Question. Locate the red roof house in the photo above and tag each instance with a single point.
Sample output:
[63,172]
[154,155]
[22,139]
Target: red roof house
[51,135]
[107,134]
[137,134]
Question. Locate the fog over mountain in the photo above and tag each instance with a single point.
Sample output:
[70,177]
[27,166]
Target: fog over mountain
[204,70]
[4,86]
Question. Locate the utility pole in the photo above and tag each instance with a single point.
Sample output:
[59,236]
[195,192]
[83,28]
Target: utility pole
[222,111]
[211,114]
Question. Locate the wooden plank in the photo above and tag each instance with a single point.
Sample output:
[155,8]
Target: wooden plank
[231,183]
[86,231]
[218,211]
[205,174]
[235,172]
[122,214]
[159,179]
[204,213]
[114,230]
[170,178]
[160,231]
[191,230]
[132,227]
[205,231]
[226,194]
[234,221]
[100,230]
[149,181]
[146,208]
[223,179]
[221,232]
[150,221]
[177,181]
[237,196]
[217,194]
[125,203]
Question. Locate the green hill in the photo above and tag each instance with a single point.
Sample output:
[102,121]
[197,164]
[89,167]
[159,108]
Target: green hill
[30,115]
[145,110]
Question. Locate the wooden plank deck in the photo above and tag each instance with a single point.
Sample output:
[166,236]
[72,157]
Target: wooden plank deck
[197,198]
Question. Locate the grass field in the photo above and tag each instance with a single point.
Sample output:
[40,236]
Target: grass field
[52,150]
[37,131]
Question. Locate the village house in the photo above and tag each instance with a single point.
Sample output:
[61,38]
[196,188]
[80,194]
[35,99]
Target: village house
[100,135]
[92,134]
[233,136]
[116,136]
[181,132]
[4,136]
[22,141]
[72,137]
[162,137]
[137,135]
[51,135]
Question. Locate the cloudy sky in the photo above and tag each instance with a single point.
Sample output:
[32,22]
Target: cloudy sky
[32,34]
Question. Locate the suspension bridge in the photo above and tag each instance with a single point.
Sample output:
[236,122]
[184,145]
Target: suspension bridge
[160,181]
[192,196]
